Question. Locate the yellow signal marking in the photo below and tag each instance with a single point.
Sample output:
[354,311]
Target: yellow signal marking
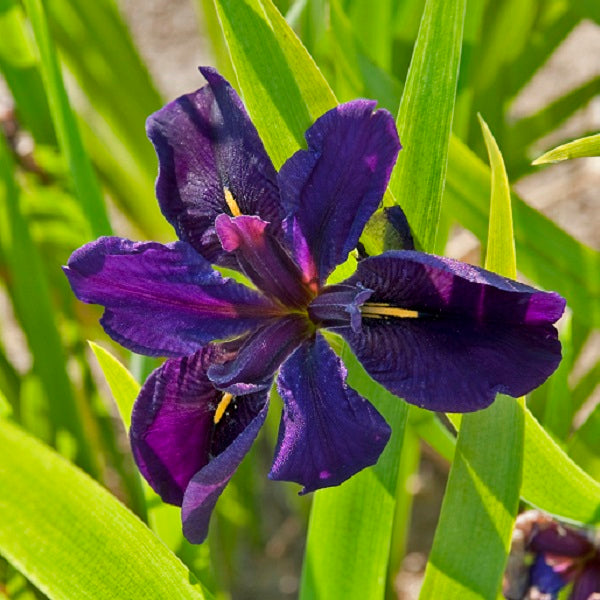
[233,205]
[222,407]
[380,310]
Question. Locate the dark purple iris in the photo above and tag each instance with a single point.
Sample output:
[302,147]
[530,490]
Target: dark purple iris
[561,555]
[441,334]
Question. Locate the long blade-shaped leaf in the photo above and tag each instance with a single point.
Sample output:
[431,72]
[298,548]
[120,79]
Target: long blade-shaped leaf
[587,146]
[84,180]
[500,256]
[425,117]
[33,306]
[72,538]
[553,482]
[281,85]
[19,68]
[482,496]
[122,384]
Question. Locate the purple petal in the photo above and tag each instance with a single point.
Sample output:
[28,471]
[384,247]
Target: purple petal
[261,354]
[587,585]
[172,423]
[263,259]
[206,486]
[173,431]
[468,333]
[557,539]
[545,579]
[328,432]
[206,144]
[162,300]
[331,189]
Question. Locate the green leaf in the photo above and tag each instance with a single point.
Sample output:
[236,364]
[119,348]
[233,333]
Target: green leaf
[123,385]
[31,298]
[507,28]
[281,85]
[97,48]
[19,67]
[125,390]
[432,431]
[371,22]
[10,381]
[500,256]
[425,118]
[5,407]
[472,539]
[553,482]
[72,538]
[85,183]
[356,75]
[573,270]
[587,146]
[117,97]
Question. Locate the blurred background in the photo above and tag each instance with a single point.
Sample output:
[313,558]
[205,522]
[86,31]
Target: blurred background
[532,68]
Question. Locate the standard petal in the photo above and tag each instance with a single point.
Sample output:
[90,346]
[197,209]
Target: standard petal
[260,355]
[206,486]
[328,432]
[448,336]
[331,189]
[263,259]
[177,426]
[162,300]
[210,155]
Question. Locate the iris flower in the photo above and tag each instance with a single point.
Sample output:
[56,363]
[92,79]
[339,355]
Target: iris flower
[439,333]
[561,555]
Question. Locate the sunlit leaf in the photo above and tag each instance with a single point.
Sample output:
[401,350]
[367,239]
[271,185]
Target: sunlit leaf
[425,118]
[72,538]
[123,386]
[472,539]
[587,146]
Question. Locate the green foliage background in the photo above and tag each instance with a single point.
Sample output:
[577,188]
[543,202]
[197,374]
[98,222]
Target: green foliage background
[88,169]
